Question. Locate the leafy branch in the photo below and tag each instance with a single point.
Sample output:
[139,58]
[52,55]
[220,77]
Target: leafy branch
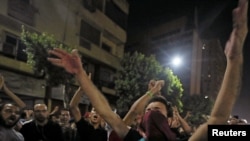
[37,46]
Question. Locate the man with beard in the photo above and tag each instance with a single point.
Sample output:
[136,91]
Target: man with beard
[41,128]
[9,115]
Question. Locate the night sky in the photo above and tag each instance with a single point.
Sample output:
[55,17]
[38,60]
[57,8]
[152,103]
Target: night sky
[214,21]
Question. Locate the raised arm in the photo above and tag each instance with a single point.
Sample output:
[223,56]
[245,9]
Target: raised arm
[56,108]
[75,101]
[74,105]
[231,83]
[154,88]
[15,98]
[184,124]
[72,64]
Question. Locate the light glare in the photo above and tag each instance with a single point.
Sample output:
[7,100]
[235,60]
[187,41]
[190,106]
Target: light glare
[176,61]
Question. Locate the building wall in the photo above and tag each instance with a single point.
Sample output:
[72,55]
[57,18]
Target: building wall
[63,18]
[213,67]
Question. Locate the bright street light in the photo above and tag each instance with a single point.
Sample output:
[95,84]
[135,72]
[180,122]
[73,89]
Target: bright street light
[176,61]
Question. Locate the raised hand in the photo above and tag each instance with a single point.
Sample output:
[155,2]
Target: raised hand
[151,84]
[155,86]
[70,62]
[231,84]
[235,43]
[175,111]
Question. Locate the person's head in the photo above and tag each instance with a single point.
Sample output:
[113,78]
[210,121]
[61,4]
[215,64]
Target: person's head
[159,103]
[154,124]
[94,117]
[41,113]
[9,115]
[64,116]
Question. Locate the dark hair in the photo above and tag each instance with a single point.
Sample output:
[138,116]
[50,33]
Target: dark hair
[164,101]
[4,103]
[65,109]
[23,115]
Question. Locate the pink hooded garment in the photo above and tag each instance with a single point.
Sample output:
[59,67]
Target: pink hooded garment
[156,127]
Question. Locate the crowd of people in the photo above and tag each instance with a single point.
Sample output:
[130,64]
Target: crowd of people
[150,118]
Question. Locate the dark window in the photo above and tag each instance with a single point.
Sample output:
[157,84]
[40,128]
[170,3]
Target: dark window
[99,4]
[116,14]
[106,76]
[21,54]
[13,48]
[22,10]
[106,47]
[90,5]
[84,43]
[9,46]
[8,50]
[90,33]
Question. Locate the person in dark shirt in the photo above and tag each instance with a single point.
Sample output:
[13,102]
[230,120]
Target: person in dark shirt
[89,129]
[88,132]
[41,128]
[67,125]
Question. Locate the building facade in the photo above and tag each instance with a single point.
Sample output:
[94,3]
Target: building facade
[96,28]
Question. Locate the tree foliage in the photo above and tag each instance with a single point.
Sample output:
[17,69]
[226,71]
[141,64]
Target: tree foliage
[137,70]
[199,106]
[37,46]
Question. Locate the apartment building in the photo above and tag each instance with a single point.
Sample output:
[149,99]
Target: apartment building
[96,28]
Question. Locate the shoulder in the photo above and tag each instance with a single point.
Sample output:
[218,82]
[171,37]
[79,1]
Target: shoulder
[27,121]
[103,131]
[28,124]
[53,124]
[19,135]
[132,135]
[81,122]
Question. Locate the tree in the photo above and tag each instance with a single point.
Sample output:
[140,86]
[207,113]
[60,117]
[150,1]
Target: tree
[137,70]
[199,106]
[37,46]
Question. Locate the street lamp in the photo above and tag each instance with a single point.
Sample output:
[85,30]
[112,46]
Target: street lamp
[176,61]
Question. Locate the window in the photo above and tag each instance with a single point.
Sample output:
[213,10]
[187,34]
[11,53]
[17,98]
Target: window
[100,4]
[90,5]
[89,34]
[106,77]
[22,10]
[13,48]
[84,43]
[106,47]
[116,14]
